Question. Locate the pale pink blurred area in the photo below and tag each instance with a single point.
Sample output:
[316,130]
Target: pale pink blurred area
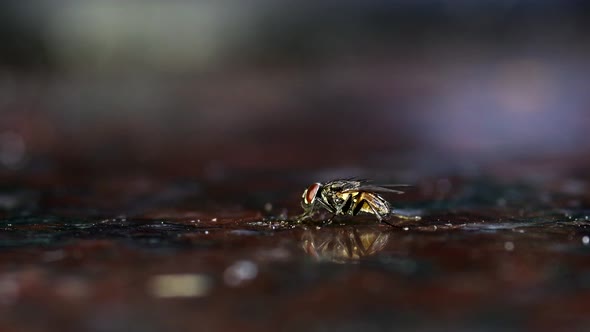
[179,86]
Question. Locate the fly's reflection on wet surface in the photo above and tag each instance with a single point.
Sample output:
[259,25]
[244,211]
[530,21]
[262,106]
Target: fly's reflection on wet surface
[346,244]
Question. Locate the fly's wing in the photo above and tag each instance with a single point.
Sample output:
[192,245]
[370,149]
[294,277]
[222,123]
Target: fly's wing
[355,184]
[385,188]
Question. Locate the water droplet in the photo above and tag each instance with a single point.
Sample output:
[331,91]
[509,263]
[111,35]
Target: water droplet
[240,272]
[586,240]
[267,207]
[508,245]
[179,285]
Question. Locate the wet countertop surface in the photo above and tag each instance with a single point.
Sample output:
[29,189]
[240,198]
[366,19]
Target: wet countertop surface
[492,251]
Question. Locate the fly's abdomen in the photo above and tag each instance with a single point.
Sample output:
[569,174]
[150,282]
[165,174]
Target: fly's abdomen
[370,203]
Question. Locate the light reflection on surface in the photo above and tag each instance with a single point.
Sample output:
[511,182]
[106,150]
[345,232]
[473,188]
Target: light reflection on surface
[348,244]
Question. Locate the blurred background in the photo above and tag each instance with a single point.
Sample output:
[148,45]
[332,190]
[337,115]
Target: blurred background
[204,88]
[152,151]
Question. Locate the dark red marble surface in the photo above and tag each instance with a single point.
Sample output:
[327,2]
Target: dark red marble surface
[135,253]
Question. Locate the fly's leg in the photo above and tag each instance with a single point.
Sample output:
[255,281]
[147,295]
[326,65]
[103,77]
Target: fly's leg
[379,216]
[308,215]
[341,209]
[304,216]
[344,208]
[329,221]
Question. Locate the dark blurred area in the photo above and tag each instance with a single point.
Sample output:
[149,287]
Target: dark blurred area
[153,154]
[203,88]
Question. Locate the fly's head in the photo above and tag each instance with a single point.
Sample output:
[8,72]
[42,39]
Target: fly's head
[309,197]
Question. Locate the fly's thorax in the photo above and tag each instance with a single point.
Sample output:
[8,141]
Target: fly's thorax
[341,197]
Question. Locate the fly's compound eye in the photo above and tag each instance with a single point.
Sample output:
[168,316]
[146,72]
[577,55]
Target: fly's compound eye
[310,193]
